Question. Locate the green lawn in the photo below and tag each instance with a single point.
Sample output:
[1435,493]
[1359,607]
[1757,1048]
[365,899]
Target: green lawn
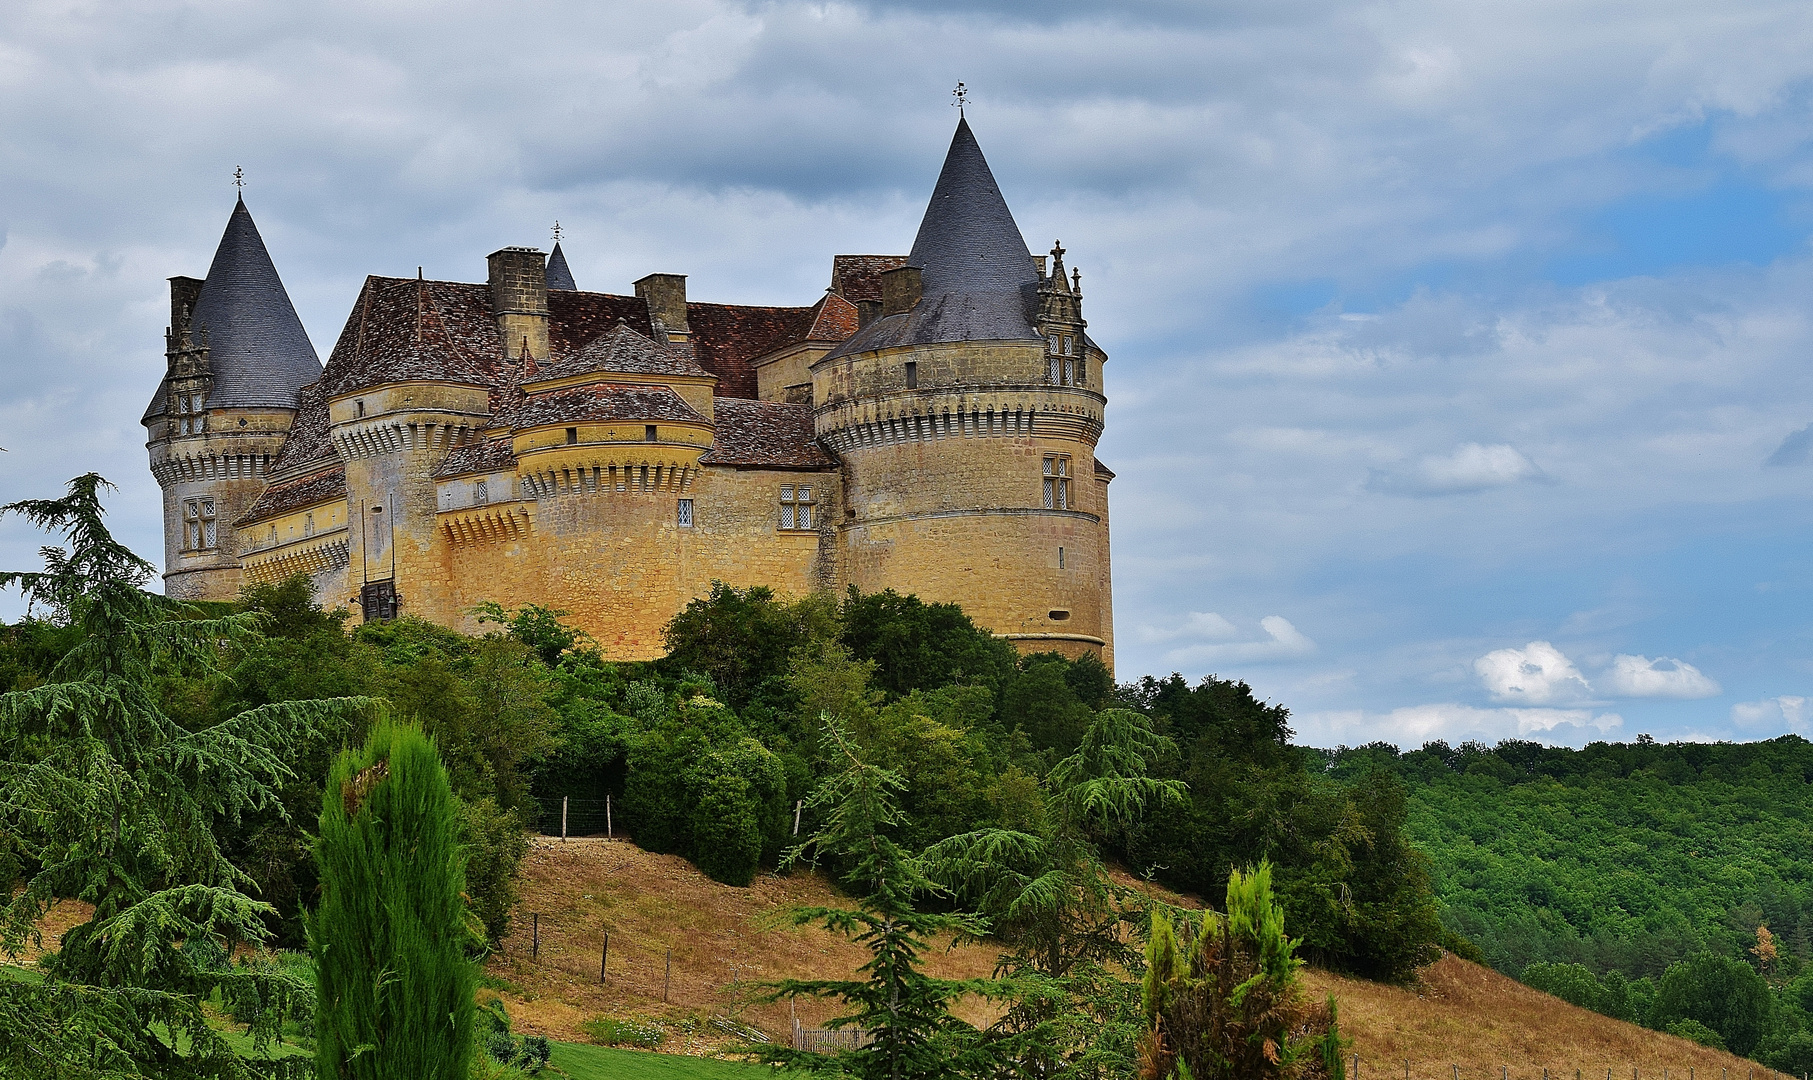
[583,1062]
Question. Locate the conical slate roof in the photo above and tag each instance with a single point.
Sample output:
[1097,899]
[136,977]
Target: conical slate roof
[257,348]
[980,283]
[559,277]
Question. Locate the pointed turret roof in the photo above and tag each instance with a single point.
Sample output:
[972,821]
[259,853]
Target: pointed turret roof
[259,353]
[980,283]
[559,277]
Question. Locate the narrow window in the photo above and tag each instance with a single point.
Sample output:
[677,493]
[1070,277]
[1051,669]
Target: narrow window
[803,496]
[1054,343]
[787,506]
[481,492]
[648,433]
[683,514]
[308,524]
[1060,558]
[1057,615]
[912,374]
[272,538]
[572,435]
[1051,370]
[1066,345]
[1057,483]
[1070,372]
[361,407]
[1082,371]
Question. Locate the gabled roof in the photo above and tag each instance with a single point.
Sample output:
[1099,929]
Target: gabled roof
[835,320]
[764,434]
[858,277]
[259,353]
[620,349]
[559,277]
[727,337]
[979,280]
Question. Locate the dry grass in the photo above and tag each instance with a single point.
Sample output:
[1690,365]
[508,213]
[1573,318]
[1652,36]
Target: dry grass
[724,939]
[1470,1016]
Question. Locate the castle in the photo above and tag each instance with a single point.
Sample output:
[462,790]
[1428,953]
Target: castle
[928,425]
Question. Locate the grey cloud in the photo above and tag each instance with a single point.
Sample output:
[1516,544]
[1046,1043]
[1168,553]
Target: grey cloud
[1793,449]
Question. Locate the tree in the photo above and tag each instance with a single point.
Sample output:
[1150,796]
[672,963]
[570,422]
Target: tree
[921,646]
[1224,1001]
[741,636]
[906,1013]
[110,801]
[1049,899]
[1724,994]
[390,937]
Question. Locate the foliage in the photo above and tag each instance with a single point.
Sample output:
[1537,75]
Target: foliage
[110,800]
[494,843]
[741,636]
[611,1031]
[1224,1000]
[527,1053]
[906,1013]
[536,627]
[919,646]
[1724,994]
[1694,1031]
[390,936]
[1353,885]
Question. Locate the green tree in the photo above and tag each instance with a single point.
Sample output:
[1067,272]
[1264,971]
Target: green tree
[921,646]
[906,1013]
[1724,994]
[110,801]
[1572,983]
[740,637]
[1224,1001]
[390,937]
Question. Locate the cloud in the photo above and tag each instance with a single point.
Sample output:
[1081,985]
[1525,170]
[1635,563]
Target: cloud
[1410,727]
[1200,624]
[1537,674]
[1772,714]
[1794,449]
[1663,677]
[1470,467]
[1282,641]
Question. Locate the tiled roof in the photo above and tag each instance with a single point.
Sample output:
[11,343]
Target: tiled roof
[835,320]
[258,352]
[484,456]
[980,283]
[604,401]
[308,440]
[726,337]
[621,349]
[320,487]
[559,277]
[1103,470]
[764,433]
[858,277]
[404,328]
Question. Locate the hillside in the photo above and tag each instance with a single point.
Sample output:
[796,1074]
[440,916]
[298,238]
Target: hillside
[725,938]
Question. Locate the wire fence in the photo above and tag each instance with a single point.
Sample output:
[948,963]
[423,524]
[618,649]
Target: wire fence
[577,817]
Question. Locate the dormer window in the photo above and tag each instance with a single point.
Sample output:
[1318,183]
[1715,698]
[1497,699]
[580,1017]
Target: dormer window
[190,419]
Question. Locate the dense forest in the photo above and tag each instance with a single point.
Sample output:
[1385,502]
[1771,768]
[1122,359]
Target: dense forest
[1668,884]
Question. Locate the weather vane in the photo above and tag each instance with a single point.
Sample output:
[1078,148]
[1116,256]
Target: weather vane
[962,95]
[239,178]
[557,230]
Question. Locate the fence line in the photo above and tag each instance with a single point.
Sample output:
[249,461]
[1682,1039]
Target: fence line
[1401,1067]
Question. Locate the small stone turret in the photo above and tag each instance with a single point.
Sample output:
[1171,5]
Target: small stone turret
[1061,324]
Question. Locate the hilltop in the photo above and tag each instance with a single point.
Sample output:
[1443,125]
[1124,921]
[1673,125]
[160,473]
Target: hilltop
[725,938]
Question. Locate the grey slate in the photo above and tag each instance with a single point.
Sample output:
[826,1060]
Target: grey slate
[559,277]
[980,282]
[260,355]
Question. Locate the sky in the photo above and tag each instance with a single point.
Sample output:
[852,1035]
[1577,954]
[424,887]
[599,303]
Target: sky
[1461,355]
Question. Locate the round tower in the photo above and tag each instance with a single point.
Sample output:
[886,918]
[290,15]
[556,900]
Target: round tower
[235,357]
[966,416]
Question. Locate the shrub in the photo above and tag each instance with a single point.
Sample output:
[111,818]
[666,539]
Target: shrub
[611,1031]
[1719,992]
[495,846]
[1571,983]
[391,934]
[1694,1031]
[528,1053]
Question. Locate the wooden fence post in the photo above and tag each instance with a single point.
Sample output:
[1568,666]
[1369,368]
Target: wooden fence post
[535,952]
[605,956]
[667,981]
[797,807]
[609,832]
[563,819]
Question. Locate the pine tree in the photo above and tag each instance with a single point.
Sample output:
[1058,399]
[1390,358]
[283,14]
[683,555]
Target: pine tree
[390,937]
[1224,1001]
[905,1012]
[109,801]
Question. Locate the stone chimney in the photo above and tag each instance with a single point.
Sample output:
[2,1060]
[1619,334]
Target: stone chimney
[184,291]
[901,289]
[519,298]
[665,295]
[867,311]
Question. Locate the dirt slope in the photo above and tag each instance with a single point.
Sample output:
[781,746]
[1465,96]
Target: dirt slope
[723,939]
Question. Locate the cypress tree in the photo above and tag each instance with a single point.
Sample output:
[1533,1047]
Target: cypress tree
[389,939]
